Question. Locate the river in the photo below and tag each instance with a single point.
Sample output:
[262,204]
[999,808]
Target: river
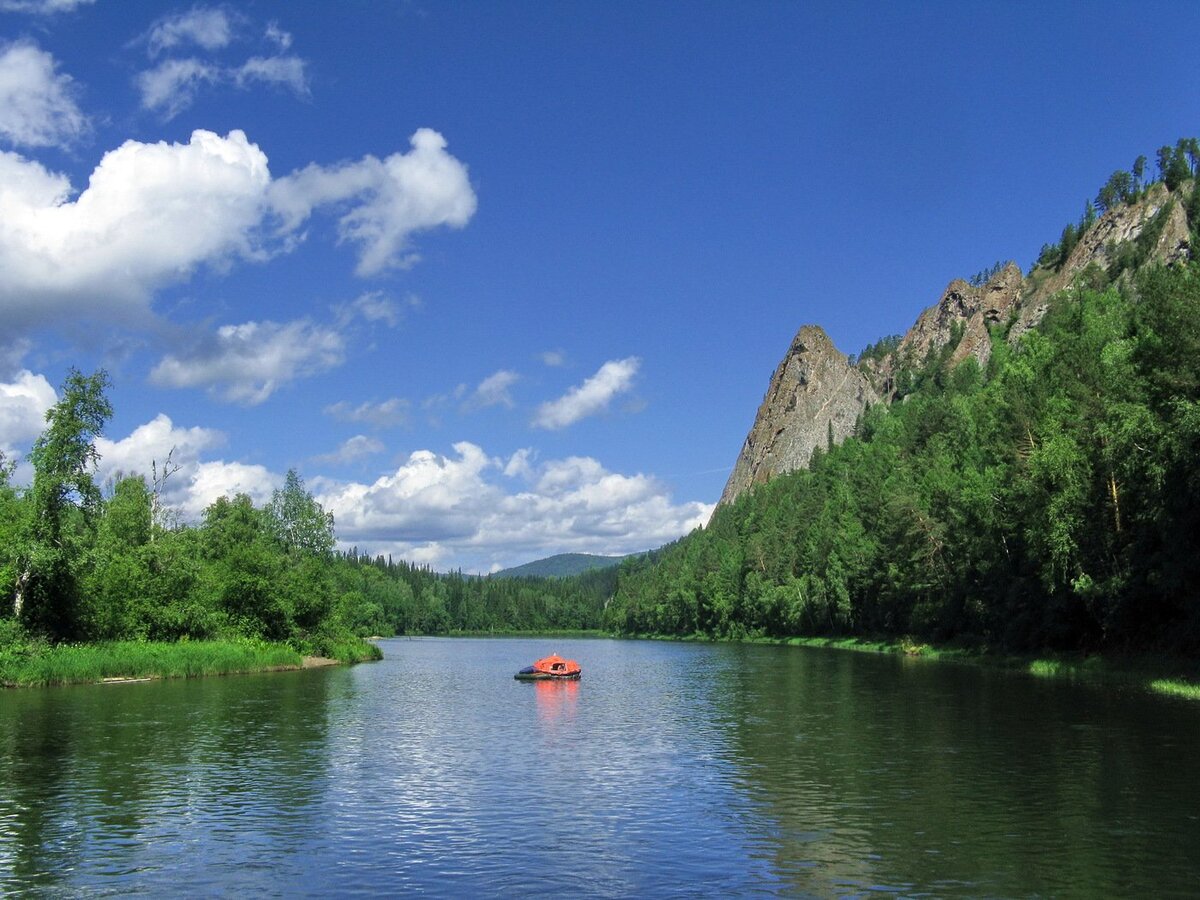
[679,769]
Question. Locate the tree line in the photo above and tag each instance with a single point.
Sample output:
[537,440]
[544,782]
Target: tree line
[78,563]
[1176,165]
[1051,501]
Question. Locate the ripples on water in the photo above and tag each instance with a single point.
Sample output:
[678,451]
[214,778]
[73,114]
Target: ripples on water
[670,768]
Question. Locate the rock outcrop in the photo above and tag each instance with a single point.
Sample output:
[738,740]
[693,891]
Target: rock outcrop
[814,393]
[965,313]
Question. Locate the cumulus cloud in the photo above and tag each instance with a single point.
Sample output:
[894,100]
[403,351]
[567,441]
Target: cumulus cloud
[493,391]
[37,104]
[152,213]
[23,405]
[247,363]
[352,449]
[204,27]
[149,445]
[397,196]
[386,414]
[592,397]
[43,7]
[193,484]
[476,511]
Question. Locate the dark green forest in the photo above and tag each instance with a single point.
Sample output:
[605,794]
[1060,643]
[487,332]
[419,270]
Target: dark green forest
[1050,502]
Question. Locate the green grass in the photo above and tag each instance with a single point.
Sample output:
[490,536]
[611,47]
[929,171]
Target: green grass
[36,664]
[344,648]
[1168,675]
[1174,687]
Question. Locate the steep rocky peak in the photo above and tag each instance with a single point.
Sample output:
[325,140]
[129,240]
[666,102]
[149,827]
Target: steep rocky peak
[814,393]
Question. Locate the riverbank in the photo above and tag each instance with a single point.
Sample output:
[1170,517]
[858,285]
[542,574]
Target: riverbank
[1167,675]
[40,665]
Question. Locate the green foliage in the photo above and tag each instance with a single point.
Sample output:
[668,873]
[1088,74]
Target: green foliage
[1051,502]
[63,505]
[983,276]
[29,664]
[221,595]
[298,521]
[879,349]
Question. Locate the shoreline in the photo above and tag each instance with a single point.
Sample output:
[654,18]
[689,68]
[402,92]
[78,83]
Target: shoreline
[131,662]
[1165,675]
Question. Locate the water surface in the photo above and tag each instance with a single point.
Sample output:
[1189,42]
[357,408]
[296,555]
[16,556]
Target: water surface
[670,768]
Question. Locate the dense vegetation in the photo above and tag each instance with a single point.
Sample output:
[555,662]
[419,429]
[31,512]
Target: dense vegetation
[1052,501]
[78,564]
[1175,166]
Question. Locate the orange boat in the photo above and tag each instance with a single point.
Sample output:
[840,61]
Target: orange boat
[552,666]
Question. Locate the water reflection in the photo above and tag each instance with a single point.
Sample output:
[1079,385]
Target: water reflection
[556,701]
[103,782]
[671,768]
[877,773]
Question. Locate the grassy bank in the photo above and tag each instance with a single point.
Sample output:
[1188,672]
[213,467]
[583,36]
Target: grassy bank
[1173,676]
[1168,675]
[32,663]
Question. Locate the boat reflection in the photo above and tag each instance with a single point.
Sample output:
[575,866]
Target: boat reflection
[556,700]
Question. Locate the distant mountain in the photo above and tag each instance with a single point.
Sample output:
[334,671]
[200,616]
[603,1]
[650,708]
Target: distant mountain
[560,566]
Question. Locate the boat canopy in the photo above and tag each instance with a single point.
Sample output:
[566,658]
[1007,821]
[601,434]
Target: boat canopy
[556,665]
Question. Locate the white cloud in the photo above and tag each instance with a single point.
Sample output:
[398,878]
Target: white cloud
[352,449]
[386,414]
[43,7]
[592,397]
[172,85]
[23,405]
[493,391]
[213,480]
[373,306]
[404,193]
[152,213]
[208,28]
[475,511]
[37,106]
[553,358]
[276,35]
[193,483]
[150,444]
[285,71]
[247,363]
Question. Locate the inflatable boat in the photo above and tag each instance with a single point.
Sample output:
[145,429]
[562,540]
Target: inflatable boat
[551,667]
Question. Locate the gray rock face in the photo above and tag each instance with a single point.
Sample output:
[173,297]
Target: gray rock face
[1097,246]
[814,391]
[973,309]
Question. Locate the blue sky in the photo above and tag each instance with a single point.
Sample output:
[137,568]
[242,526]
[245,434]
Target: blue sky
[505,280]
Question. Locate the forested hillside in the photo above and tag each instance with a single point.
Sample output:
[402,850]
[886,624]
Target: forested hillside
[1049,501]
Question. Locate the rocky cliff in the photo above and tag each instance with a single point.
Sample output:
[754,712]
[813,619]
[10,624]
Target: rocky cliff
[816,395]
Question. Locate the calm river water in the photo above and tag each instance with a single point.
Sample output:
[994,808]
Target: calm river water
[686,769]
